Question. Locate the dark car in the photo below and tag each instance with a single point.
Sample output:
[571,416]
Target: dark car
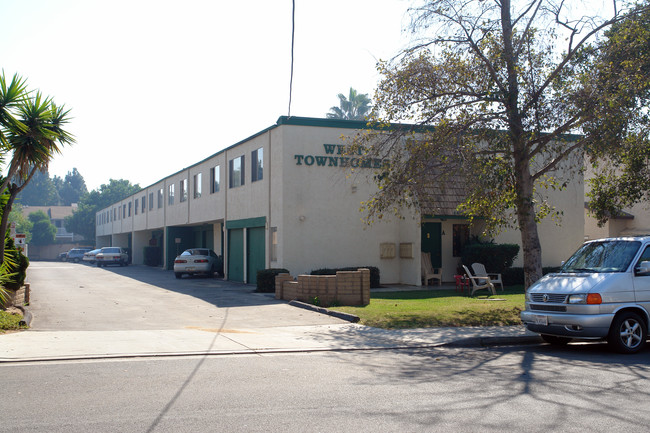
[76,254]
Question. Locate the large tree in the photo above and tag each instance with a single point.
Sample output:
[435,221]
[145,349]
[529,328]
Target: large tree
[493,89]
[618,128]
[72,188]
[355,106]
[82,220]
[40,191]
[32,129]
[43,231]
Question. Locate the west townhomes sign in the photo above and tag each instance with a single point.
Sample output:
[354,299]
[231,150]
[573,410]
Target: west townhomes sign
[339,155]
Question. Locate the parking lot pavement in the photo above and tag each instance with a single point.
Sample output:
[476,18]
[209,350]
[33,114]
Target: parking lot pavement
[85,312]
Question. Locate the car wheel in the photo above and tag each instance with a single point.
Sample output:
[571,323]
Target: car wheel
[76,260]
[627,333]
[178,274]
[555,340]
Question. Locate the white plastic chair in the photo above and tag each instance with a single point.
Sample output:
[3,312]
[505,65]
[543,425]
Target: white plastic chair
[479,283]
[479,271]
[428,273]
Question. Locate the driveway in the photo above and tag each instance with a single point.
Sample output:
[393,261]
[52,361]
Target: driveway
[79,297]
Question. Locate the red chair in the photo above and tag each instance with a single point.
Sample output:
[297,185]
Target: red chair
[461,283]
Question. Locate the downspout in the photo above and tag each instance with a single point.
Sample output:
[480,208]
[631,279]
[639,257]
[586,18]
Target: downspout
[224,232]
[268,218]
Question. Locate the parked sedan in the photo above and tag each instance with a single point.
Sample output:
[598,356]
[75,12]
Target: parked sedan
[112,256]
[76,254]
[89,257]
[196,261]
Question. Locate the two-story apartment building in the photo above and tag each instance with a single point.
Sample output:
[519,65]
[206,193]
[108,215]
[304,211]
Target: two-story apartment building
[284,198]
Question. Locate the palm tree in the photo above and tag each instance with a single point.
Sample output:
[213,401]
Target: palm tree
[33,139]
[355,107]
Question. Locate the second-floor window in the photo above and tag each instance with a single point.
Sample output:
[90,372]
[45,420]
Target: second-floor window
[160,198]
[197,185]
[170,195]
[144,203]
[137,203]
[257,165]
[150,200]
[183,190]
[237,172]
[214,179]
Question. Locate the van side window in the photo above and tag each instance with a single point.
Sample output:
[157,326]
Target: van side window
[645,257]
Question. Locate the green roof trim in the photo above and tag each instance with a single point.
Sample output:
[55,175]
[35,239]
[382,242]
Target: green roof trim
[246,223]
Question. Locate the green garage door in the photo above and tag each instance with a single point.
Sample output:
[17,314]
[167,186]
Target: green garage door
[255,257]
[236,255]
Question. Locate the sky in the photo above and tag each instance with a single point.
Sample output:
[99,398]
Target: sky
[156,86]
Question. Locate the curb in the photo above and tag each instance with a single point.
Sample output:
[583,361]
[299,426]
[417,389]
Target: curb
[27,316]
[496,341]
[344,316]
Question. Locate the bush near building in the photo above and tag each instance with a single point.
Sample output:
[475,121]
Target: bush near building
[495,257]
[374,273]
[266,279]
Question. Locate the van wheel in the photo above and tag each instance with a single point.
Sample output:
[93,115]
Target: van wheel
[555,340]
[627,333]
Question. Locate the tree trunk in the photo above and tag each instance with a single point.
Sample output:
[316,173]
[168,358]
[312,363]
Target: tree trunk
[532,249]
[4,222]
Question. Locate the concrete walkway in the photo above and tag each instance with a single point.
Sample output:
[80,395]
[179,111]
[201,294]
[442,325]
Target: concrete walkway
[67,345]
[82,315]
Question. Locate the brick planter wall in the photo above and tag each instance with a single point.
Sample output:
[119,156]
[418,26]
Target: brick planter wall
[344,288]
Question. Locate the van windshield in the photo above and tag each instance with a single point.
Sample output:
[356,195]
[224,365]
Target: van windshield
[602,256]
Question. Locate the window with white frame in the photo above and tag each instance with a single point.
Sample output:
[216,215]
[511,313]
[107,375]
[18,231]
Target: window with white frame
[237,172]
[214,179]
[183,190]
[170,194]
[197,185]
[257,165]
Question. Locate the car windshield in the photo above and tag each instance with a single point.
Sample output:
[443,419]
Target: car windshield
[602,256]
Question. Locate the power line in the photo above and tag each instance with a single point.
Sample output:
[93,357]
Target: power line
[293,34]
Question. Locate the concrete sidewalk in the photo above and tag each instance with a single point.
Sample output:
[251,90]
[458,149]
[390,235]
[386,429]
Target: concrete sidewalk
[69,345]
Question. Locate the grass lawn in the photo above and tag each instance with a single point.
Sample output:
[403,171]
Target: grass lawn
[433,308]
[10,321]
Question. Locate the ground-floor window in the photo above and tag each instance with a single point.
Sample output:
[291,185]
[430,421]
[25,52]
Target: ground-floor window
[461,238]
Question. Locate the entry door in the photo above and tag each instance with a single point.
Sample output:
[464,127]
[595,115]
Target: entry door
[432,242]
[255,257]
[236,255]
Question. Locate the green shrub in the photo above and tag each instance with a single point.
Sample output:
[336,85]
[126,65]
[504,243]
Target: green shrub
[152,255]
[266,279]
[22,262]
[495,257]
[374,273]
[512,276]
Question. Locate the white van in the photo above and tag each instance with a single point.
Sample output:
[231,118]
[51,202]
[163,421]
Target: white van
[601,292]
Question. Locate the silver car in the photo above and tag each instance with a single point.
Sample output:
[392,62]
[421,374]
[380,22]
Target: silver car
[196,261]
[601,292]
[112,256]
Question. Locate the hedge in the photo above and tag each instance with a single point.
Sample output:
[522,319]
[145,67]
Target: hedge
[496,257]
[512,276]
[374,273]
[266,279]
